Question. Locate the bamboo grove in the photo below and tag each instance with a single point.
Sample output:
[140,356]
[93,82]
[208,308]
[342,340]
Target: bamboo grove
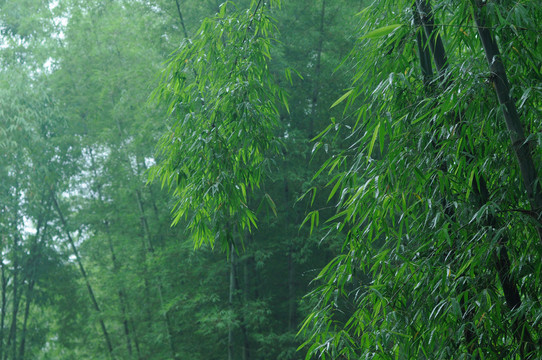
[253,179]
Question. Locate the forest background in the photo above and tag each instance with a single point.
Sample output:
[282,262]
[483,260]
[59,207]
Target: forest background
[360,179]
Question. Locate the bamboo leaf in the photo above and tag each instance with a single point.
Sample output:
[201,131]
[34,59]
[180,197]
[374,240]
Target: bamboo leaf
[373,140]
[341,99]
[380,32]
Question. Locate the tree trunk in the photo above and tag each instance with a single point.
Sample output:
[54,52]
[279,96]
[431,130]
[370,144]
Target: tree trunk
[150,248]
[423,52]
[29,296]
[120,292]
[245,299]
[4,302]
[512,296]
[230,300]
[85,277]
[181,19]
[317,70]
[116,266]
[502,262]
[435,41]
[522,148]
[136,341]
[33,265]
[430,45]
[291,266]
[12,340]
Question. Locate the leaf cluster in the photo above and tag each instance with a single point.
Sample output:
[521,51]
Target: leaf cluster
[426,193]
[222,100]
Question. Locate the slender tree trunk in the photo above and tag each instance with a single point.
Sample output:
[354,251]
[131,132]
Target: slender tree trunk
[4,302]
[120,292]
[181,19]
[429,43]
[291,266]
[423,52]
[12,340]
[502,262]
[147,247]
[512,296]
[430,46]
[150,248]
[85,277]
[233,289]
[125,322]
[123,301]
[245,299]
[136,341]
[230,300]
[25,318]
[32,265]
[317,69]
[291,290]
[141,169]
[522,148]
[246,286]
[434,39]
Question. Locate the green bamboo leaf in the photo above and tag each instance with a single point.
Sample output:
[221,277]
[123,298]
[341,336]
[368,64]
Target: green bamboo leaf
[463,268]
[314,218]
[469,186]
[341,99]
[271,203]
[373,140]
[383,31]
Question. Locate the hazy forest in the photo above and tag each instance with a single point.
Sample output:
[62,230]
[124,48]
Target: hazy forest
[261,180]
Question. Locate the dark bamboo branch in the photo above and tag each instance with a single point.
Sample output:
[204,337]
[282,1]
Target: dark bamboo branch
[426,37]
[502,261]
[181,19]
[528,171]
[503,266]
[435,41]
[425,57]
[522,148]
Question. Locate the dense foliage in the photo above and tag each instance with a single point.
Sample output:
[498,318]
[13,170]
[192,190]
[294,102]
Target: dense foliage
[438,197]
[341,179]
